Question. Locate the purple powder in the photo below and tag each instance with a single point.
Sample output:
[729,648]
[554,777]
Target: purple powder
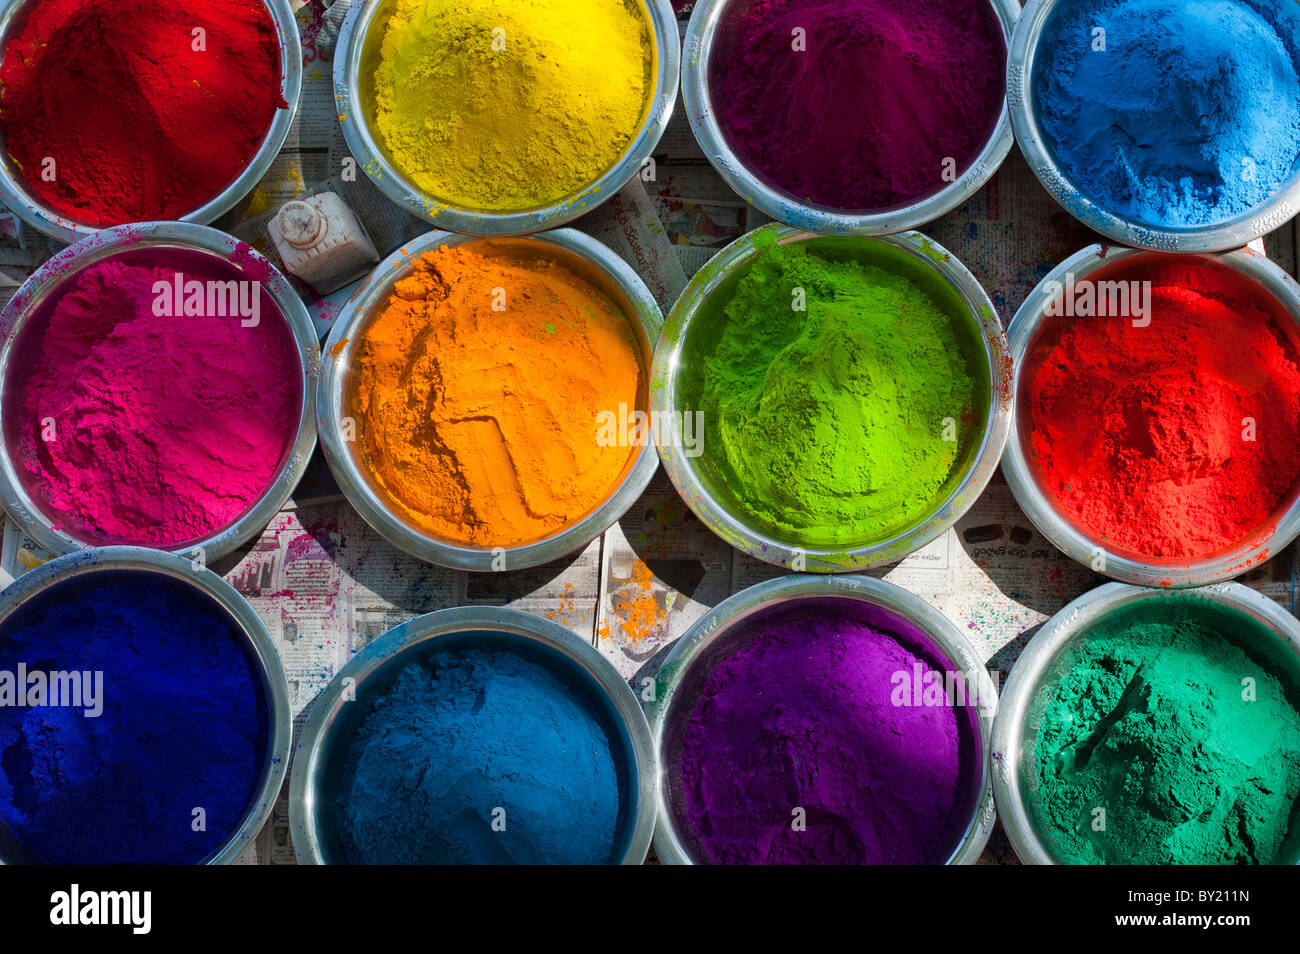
[798,711]
[886,97]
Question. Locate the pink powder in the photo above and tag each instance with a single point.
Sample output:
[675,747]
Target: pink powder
[130,427]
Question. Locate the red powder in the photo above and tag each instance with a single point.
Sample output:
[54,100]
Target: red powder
[1143,434]
[139,124]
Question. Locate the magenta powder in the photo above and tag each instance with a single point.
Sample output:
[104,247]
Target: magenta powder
[869,114]
[798,711]
[130,427]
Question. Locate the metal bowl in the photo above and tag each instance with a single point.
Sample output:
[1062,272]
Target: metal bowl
[1015,730]
[343,705]
[1231,233]
[126,238]
[140,560]
[706,493]
[789,209]
[589,259]
[33,210]
[705,642]
[1028,329]
[355,51]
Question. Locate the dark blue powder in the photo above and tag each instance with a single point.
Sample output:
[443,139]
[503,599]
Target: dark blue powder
[184,724]
[465,734]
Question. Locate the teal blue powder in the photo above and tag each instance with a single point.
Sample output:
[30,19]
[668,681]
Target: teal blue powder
[474,737]
[1190,115]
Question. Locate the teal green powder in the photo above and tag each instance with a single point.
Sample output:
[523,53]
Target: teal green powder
[841,423]
[1154,731]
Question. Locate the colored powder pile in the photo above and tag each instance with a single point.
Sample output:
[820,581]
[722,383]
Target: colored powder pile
[183,726]
[1189,115]
[1166,742]
[152,430]
[804,713]
[858,104]
[482,757]
[638,607]
[113,112]
[481,425]
[1191,437]
[507,105]
[830,423]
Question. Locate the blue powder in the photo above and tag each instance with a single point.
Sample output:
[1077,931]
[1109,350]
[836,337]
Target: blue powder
[184,724]
[469,732]
[1191,115]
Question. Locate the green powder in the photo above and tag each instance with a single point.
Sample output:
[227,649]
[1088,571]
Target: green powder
[1152,724]
[841,423]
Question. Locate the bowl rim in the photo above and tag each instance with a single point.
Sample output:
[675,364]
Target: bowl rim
[701,33]
[743,533]
[1010,748]
[723,621]
[1218,237]
[370,156]
[1039,505]
[37,214]
[189,236]
[258,638]
[349,330]
[450,622]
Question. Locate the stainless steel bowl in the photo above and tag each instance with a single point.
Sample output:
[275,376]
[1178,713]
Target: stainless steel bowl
[358,42]
[701,644]
[1020,710]
[1021,98]
[1042,508]
[707,495]
[700,37]
[156,563]
[33,210]
[588,258]
[343,704]
[125,238]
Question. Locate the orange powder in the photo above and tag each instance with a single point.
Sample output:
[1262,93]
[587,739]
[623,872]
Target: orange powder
[477,391]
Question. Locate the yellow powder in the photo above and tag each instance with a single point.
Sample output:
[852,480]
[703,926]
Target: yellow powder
[509,105]
[480,425]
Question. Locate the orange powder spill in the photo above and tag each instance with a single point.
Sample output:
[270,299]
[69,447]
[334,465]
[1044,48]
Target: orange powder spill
[638,606]
[478,424]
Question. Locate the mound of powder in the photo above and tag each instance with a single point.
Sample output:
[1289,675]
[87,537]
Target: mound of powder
[482,757]
[138,428]
[183,724]
[1191,439]
[138,121]
[858,104]
[830,422]
[1189,116]
[803,712]
[481,425]
[506,105]
[1167,742]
